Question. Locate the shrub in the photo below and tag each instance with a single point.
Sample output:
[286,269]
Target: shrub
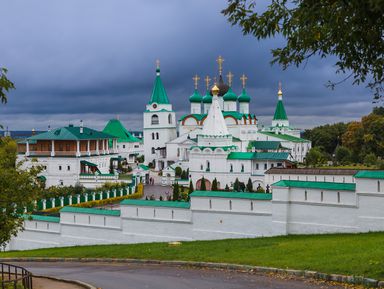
[178,171]
[214,185]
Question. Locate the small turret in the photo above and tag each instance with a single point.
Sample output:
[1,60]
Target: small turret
[207,99]
[280,118]
[244,99]
[230,98]
[196,98]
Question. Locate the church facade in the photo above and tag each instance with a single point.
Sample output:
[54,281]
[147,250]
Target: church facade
[220,138]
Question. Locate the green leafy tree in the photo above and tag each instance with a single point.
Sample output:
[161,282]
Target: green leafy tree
[226,188]
[314,157]
[5,85]
[370,159]
[351,31]
[249,185]
[19,188]
[236,185]
[214,185]
[176,192]
[178,171]
[343,155]
[190,189]
[203,186]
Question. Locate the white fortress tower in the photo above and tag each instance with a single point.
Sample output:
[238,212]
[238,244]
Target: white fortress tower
[159,125]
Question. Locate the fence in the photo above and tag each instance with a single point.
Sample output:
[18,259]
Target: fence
[15,277]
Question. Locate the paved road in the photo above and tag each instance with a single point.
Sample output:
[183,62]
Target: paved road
[129,276]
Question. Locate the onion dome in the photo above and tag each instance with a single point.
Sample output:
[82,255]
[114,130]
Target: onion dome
[230,95]
[196,97]
[207,97]
[223,87]
[244,97]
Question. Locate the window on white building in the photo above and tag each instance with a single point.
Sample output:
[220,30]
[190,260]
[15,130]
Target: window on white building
[153,135]
[157,135]
[59,168]
[305,195]
[170,118]
[155,119]
[257,166]
[378,186]
[153,151]
[271,165]
[265,166]
[338,197]
[68,168]
[322,196]
[231,168]
[242,168]
[230,205]
[123,146]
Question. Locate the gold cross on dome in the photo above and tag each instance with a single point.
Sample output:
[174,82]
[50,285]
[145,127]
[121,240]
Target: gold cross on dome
[220,61]
[207,81]
[230,78]
[157,63]
[243,79]
[196,79]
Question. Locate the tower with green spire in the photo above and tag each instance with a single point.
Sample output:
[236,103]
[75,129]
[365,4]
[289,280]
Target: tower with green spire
[230,98]
[244,99]
[280,119]
[196,98]
[159,124]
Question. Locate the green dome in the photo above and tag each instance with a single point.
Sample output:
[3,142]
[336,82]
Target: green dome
[207,97]
[244,97]
[230,95]
[196,97]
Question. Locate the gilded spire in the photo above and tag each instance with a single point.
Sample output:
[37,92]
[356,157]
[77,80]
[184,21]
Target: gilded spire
[230,78]
[157,67]
[220,61]
[207,81]
[196,79]
[243,79]
[280,92]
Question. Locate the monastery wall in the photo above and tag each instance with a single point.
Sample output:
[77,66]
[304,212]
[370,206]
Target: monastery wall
[214,215]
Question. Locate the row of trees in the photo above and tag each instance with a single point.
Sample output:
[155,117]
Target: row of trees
[358,142]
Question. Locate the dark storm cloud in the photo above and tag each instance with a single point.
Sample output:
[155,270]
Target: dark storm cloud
[91,60]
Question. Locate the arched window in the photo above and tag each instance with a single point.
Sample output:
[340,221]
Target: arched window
[242,168]
[231,168]
[155,119]
[153,151]
[208,166]
[170,118]
[153,135]
[157,135]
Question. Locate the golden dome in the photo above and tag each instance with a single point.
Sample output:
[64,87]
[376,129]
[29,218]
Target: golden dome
[215,90]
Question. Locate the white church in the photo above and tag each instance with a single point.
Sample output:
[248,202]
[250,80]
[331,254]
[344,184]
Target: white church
[219,138]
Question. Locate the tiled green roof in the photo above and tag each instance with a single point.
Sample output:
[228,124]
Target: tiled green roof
[285,137]
[265,145]
[316,185]
[230,95]
[280,113]
[42,218]
[244,97]
[91,211]
[207,97]
[225,148]
[258,156]
[196,97]
[370,175]
[232,195]
[150,203]
[159,95]
[71,133]
[115,127]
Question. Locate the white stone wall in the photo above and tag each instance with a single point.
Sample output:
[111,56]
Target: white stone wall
[273,178]
[291,211]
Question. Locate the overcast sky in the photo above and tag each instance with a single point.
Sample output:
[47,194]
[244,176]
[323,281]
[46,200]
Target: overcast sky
[93,60]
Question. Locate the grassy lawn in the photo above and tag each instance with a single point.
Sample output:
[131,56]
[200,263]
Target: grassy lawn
[350,254]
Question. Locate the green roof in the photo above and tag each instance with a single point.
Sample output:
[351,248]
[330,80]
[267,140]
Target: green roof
[115,127]
[42,218]
[159,95]
[207,97]
[316,185]
[90,211]
[285,137]
[144,167]
[280,113]
[370,175]
[225,148]
[71,133]
[258,156]
[196,97]
[244,97]
[150,203]
[88,163]
[265,145]
[233,195]
[230,95]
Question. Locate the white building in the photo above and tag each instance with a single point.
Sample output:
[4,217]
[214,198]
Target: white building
[294,207]
[128,146]
[159,126]
[70,155]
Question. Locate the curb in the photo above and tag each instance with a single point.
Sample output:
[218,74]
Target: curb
[75,282]
[306,274]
